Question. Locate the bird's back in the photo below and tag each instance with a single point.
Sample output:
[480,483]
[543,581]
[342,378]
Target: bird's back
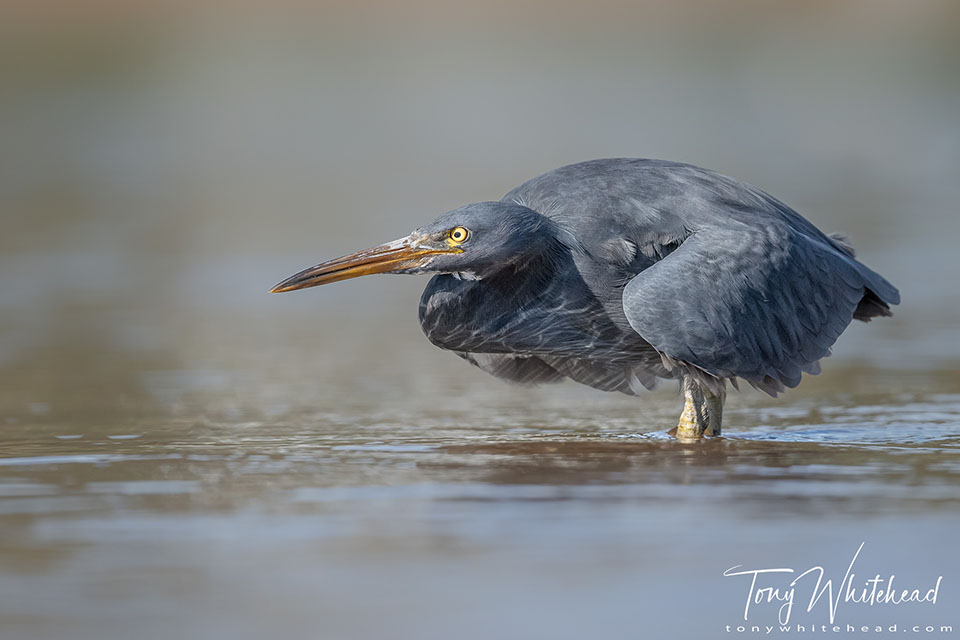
[751,249]
[651,199]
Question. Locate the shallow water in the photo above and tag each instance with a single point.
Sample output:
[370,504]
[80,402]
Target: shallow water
[556,510]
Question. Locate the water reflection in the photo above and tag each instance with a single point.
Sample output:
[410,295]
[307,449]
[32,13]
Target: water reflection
[331,512]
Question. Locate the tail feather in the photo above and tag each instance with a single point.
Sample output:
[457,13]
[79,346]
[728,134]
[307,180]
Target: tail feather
[878,294]
[871,306]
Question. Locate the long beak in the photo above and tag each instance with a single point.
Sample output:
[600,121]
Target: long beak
[405,253]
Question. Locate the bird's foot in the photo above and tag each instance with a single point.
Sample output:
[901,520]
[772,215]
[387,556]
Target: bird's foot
[702,415]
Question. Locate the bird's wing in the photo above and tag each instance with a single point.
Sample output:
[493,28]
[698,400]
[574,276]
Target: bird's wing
[528,332]
[628,378]
[602,375]
[515,368]
[762,304]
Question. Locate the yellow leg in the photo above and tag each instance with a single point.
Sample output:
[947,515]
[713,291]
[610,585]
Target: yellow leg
[702,413]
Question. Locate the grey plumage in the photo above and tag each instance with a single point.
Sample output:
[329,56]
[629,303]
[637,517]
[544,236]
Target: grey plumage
[651,269]
[617,272]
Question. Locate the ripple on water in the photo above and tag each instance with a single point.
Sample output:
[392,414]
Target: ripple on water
[910,424]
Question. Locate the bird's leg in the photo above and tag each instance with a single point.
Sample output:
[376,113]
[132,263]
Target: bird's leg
[694,419]
[702,412]
[714,411]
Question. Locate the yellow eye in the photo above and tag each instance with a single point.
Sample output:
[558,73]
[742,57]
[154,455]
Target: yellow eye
[459,235]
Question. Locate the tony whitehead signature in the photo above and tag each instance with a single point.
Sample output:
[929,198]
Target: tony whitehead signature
[876,590]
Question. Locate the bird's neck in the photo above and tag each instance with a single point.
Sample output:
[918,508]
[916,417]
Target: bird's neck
[531,274]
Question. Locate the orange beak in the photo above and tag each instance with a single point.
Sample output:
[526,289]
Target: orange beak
[399,255]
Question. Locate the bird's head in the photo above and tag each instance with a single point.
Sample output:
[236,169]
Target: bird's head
[476,240]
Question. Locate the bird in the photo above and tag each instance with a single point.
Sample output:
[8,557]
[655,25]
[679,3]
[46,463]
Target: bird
[619,272]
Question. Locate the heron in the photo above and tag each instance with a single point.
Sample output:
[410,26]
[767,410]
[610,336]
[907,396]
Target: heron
[618,272]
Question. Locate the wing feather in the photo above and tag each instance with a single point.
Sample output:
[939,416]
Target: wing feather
[760,304]
[519,369]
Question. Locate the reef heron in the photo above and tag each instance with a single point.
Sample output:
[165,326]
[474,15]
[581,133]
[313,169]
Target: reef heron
[617,272]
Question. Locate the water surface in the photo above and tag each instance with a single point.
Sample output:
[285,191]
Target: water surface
[473,513]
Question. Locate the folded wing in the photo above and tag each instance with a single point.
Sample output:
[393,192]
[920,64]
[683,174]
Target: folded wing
[759,303]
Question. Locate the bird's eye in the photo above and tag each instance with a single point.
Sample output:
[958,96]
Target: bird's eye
[459,235]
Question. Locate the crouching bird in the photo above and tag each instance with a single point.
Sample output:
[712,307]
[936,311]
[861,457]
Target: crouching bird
[617,272]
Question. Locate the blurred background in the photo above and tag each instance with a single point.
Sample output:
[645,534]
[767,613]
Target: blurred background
[163,164]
